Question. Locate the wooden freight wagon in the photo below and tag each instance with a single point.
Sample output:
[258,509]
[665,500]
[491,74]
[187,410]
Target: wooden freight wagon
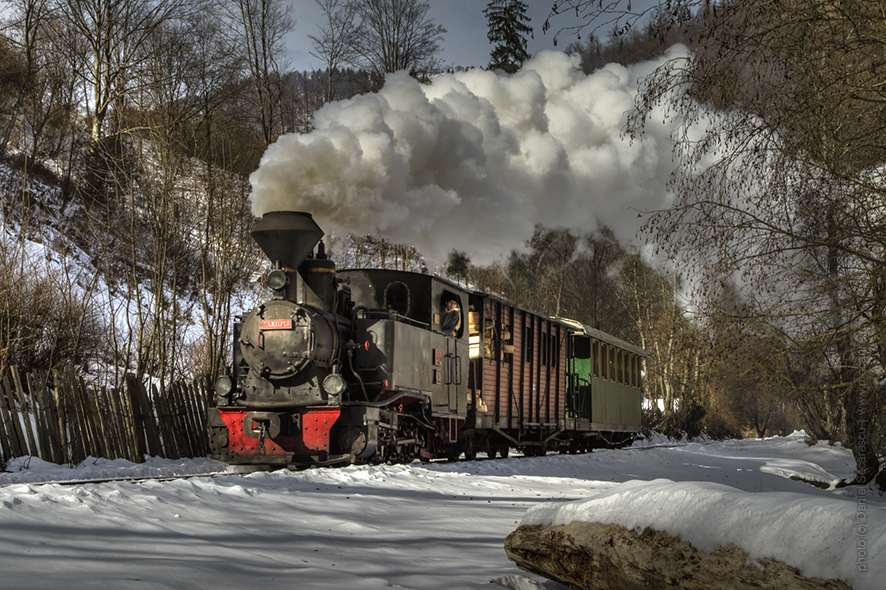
[539,383]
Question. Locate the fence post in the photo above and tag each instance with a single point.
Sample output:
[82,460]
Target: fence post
[20,442]
[61,423]
[145,423]
[166,424]
[9,416]
[79,433]
[23,409]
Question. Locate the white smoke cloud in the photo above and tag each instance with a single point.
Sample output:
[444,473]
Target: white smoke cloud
[474,160]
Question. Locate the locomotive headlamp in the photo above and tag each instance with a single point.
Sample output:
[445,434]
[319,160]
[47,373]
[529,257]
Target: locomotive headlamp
[334,382]
[277,279]
[224,386]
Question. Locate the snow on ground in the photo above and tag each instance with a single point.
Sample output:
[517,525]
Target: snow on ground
[423,526]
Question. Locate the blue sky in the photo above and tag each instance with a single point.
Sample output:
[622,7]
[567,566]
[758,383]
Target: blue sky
[465,42]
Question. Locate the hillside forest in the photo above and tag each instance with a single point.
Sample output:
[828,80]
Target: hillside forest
[129,129]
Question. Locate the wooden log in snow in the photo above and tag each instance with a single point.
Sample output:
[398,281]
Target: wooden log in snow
[594,556]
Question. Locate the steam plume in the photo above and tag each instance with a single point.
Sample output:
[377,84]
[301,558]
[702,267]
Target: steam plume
[474,160]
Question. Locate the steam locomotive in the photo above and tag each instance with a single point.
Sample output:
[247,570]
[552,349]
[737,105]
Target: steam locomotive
[353,366]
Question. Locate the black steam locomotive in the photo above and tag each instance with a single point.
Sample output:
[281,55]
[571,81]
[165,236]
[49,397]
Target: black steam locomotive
[354,366]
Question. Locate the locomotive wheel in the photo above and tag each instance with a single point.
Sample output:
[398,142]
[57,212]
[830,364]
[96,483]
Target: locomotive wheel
[504,451]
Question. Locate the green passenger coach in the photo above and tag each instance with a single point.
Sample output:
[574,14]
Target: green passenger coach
[605,381]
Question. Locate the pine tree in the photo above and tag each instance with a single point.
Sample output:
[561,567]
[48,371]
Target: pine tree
[458,266]
[508,29]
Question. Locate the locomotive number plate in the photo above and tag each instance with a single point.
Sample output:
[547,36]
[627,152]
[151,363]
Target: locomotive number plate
[275,325]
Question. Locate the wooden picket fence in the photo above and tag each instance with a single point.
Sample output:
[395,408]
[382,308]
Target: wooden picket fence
[60,419]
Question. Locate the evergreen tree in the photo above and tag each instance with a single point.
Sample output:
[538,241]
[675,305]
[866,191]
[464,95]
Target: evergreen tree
[508,29]
[458,266]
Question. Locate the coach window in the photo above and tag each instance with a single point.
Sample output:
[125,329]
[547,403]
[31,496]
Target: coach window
[596,361]
[604,361]
[474,343]
[612,376]
[507,343]
[397,297]
[554,356]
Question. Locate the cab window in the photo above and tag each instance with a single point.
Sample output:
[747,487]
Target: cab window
[397,297]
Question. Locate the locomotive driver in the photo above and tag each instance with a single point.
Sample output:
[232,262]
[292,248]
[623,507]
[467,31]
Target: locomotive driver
[452,319]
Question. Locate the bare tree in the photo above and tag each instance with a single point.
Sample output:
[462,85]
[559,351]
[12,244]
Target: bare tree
[115,33]
[225,260]
[259,28]
[335,42]
[48,316]
[52,121]
[40,112]
[371,252]
[26,19]
[396,35]
[306,92]
[620,16]
[648,41]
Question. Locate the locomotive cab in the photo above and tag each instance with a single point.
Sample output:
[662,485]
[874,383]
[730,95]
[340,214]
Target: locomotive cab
[405,344]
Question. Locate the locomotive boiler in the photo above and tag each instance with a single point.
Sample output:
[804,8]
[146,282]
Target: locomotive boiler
[365,366]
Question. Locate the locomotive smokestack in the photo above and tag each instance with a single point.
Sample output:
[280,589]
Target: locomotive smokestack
[287,237]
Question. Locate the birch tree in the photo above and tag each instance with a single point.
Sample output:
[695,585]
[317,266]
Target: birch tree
[258,30]
[115,36]
[335,42]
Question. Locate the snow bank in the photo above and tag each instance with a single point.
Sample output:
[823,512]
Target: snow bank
[404,526]
[842,537]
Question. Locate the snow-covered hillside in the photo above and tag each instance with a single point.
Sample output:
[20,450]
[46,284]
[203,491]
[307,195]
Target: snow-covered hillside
[435,526]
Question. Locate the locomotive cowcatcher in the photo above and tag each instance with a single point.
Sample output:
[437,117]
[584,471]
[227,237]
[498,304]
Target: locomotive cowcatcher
[353,366]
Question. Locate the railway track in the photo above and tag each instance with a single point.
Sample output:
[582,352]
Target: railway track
[232,470]
[100,480]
